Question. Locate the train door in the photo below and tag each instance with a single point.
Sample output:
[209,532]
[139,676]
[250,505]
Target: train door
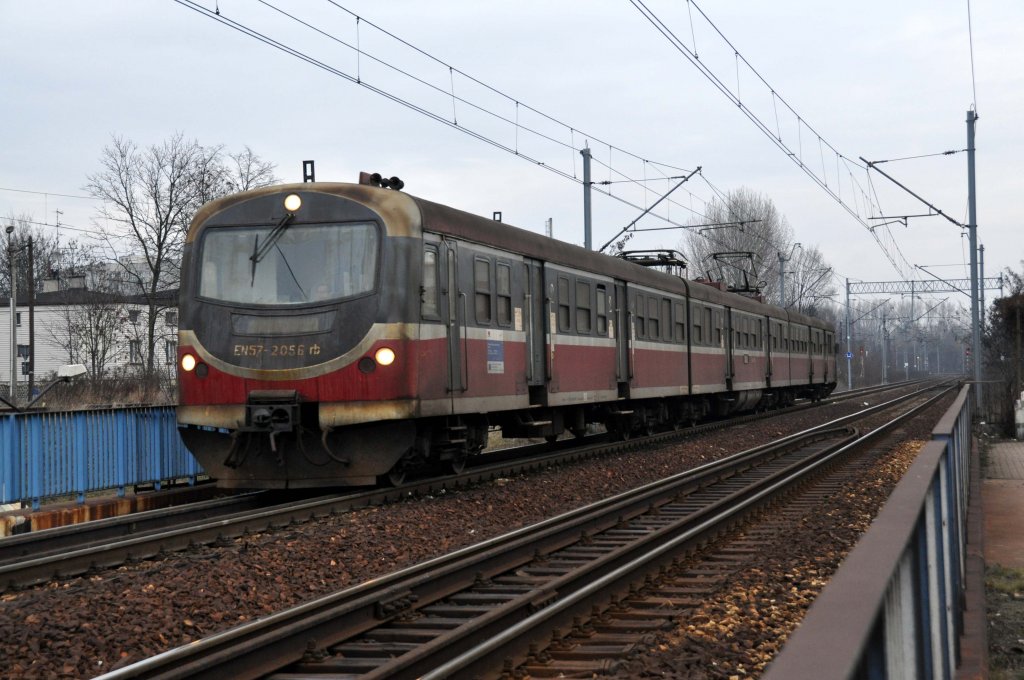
[730,323]
[455,320]
[623,332]
[536,373]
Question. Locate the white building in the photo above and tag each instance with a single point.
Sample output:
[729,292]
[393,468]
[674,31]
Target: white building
[106,332]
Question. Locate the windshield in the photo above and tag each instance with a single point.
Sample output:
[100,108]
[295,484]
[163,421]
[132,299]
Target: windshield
[307,263]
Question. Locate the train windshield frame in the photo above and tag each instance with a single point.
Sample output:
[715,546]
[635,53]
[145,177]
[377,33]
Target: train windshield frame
[305,264]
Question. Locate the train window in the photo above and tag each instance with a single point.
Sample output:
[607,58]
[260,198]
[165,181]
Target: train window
[504,273]
[602,310]
[482,289]
[680,322]
[666,318]
[708,333]
[564,305]
[641,316]
[428,291]
[301,265]
[719,340]
[698,336]
[653,322]
[583,309]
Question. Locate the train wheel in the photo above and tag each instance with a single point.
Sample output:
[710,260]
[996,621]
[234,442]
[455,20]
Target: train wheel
[458,463]
[395,476]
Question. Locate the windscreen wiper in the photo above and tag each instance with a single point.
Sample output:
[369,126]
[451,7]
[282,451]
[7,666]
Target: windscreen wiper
[261,251]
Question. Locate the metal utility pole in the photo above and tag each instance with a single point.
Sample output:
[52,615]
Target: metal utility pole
[981,286]
[972,230]
[14,315]
[31,319]
[849,350]
[586,198]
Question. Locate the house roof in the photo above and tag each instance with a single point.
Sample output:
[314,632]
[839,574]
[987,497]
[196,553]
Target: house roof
[82,296]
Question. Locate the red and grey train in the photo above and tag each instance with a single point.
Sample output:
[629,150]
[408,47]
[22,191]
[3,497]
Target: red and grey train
[343,334]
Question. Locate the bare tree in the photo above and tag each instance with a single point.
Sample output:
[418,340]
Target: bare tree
[809,281]
[90,333]
[744,241]
[250,171]
[739,242]
[149,196]
[46,254]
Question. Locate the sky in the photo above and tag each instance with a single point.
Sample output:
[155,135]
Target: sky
[833,81]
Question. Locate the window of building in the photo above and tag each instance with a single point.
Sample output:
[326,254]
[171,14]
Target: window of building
[504,272]
[602,310]
[428,292]
[583,308]
[171,318]
[135,351]
[170,351]
[17,318]
[133,315]
[564,305]
[482,288]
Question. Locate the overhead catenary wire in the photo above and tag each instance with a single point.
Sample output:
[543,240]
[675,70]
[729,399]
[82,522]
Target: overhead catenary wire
[448,93]
[886,241]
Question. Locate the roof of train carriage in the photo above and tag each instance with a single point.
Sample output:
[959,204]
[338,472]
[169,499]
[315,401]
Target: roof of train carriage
[452,221]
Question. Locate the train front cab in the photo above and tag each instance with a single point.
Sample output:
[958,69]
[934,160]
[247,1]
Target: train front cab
[302,335]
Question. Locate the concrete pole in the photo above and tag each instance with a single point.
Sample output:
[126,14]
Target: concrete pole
[586,199]
[972,230]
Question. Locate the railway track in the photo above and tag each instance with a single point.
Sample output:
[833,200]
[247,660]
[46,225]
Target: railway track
[38,557]
[528,598]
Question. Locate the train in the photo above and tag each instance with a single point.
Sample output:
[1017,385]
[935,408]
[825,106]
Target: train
[348,334]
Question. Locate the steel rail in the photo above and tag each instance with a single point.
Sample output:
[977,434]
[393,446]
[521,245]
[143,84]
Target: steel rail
[72,536]
[515,641]
[81,551]
[275,640]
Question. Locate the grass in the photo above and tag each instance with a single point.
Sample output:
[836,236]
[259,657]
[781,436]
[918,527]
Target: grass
[1004,580]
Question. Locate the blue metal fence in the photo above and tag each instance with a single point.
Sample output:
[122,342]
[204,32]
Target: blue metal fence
[894,609]
[56,454]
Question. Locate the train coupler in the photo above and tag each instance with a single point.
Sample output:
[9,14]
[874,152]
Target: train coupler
[272,411]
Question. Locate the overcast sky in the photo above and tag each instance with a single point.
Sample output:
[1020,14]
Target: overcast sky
[881,80]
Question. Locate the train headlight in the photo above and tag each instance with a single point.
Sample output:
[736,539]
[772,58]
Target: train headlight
[188,363]
[385,356]
[292,202]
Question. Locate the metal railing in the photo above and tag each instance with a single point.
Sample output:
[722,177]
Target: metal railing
[55,455]
[894,609]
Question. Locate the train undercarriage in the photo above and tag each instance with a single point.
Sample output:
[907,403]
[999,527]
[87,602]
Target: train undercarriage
[280,444]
